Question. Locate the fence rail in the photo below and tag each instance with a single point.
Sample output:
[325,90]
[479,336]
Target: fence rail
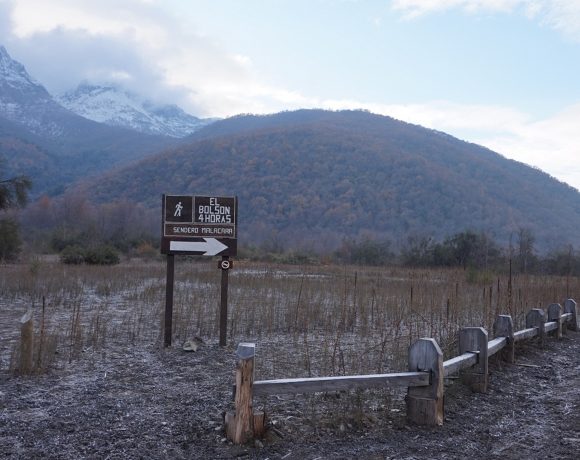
[424,378]
[464,361]
[321,384]
[525,334]
[496,345]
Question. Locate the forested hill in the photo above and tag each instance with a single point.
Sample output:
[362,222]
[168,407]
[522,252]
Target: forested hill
[312,177]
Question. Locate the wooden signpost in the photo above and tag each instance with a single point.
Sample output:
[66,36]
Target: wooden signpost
[202,226]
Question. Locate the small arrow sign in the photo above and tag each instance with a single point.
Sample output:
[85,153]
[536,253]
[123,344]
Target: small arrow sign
[209,247]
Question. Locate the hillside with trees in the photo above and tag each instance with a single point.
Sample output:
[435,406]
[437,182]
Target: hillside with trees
[53,145]
[311,178]
[53,164]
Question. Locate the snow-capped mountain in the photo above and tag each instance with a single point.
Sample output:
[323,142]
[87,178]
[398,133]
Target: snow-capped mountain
[25,101]
[53,145]
[116,107]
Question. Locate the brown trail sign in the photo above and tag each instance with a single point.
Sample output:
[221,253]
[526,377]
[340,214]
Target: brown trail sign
[199,225]
[203,226]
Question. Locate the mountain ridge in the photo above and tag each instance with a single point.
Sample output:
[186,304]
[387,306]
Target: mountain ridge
[307,177]
[325,176]
[71,146]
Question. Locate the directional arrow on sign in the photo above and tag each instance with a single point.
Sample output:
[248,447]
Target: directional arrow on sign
[209,247]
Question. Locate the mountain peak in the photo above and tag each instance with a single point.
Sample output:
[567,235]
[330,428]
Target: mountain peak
[13,73]
[23,100]
[116,106]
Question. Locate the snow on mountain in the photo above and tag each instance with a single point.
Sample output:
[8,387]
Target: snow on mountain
[13,73]
[24,100]
[116,107]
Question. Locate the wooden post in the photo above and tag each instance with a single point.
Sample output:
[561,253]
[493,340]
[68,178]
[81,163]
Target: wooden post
[537,318]
[555,314]
[224,306]
[570,307]
[168,327]
[474,339]
[245,424]
[26,343]
[504,327]
[425,404]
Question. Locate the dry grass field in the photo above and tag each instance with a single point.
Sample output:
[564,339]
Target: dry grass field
[98,333]
[313,320]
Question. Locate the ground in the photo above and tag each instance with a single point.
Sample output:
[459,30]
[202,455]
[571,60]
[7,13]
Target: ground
[146,402]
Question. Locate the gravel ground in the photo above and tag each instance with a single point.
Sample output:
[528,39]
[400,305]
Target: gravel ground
[144,402]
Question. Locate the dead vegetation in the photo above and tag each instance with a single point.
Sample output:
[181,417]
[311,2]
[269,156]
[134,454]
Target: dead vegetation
[100,328]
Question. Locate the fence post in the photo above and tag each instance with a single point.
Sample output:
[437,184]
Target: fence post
[570,307]
[504,327]
[26,343]
[537,318]
[425,404]
[555,314]
[474,339]
[244,424]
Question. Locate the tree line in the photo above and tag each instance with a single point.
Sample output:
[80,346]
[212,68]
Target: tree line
[82,232]
[466,249]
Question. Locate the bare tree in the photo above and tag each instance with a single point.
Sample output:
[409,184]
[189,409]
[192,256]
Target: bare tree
[526,241]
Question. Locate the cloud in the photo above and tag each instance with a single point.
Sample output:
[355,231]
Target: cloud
[561,15]
[131,42]
[550,144]
[136,42]
[138,45]
[414,8]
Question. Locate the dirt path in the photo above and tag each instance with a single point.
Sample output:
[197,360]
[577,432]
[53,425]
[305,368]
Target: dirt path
[149,403]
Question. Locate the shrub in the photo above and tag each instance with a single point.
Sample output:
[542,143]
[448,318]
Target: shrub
[99,255]
[146,250]
[9,240]
[59,243]
[102,255]
[73,255]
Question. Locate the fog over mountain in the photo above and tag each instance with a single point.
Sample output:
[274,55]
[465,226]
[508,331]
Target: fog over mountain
[53,145]
[117,107]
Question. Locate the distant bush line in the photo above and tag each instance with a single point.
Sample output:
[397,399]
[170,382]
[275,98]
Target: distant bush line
[103,235]
[468,250]
[99,255]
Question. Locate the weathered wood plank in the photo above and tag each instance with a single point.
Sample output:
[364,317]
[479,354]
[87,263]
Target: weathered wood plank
[570,308]
[425,404]
[564,318]
[555,314]
[474,339]
[340,383]
[454,365]
[536,318]
[496,345]
[241,426]
[504,327]
[525,334]
[551,326]
[26,343]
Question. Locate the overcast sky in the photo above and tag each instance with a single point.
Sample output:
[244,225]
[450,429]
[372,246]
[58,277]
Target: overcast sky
[501,73]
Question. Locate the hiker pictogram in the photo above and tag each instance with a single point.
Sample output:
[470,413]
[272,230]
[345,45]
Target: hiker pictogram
[178,209]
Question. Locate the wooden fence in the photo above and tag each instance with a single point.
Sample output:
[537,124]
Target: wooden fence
[424,378]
